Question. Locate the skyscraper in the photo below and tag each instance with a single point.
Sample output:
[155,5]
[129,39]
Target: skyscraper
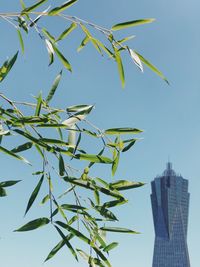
[170,205]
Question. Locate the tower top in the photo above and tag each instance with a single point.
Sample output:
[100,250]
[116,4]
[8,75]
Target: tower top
[169,171]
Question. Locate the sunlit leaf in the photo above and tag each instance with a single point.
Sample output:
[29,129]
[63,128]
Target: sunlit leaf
[125,185]
[110,246]
[124,130]
[45,199]
[152,67]
[118,230]
[67,32]
[60,9]
[49,35]
[34,194]
[132,23]
[31,8]
[83,43]
[50,51]
[120,66]
[20,40]
[39,105]
[32,225]
[94,158]
[135,58]
[115,164]
[7,66]
[62,58]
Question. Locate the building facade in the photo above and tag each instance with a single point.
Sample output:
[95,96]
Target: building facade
[170,206]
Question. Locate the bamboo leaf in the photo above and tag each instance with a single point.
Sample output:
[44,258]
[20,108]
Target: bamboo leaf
[57,10]
[2,192]
[61,166]
[58,247]
[39,105]
[10,153]
[31,8]
[67,243]
[132,23]
[125,185]
[9,183]
[135,58]
[94,158]
[34,194]
[7,66]
[118,230]
[50,51]
[67,32]
[115,164]
[22,147]
[110,246]
[49,35]
[152,67]
[120,67]
[32,225]
[124,130]
[64,61]
[21,40]
[126,148]
[83,43]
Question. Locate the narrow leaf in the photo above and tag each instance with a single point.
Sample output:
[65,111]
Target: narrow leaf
[60,9]
[2,192]
[110,246]
[67,31]
[94,158]
[10,153]
[21,40]
[118,230]
[34,194]
[120,67]
[115,164]
[7,66]
[39,105]
[135,58]
[131,24]
[124,130]
[64,61]
[83,43]
[32,225]
[67,243]
[125,185]
[61,166]
[9,183]
[22,147]
[31,8]
[152,67]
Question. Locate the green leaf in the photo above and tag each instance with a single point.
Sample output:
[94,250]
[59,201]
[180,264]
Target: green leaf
[74,232]
[31,8]
[81,109]
[50,51]
[45,199]
[115,164]
[61,166]
[120,66]
[60,9]
[125,185]
[152,67]
[22,147]
[48,35]
[83,43]
[94,158]
[7,66]
[110,246]
[67,243]
[118,230]
[114,203]
[124,130]
[2,192]
[67,32]
[34,194]
[126,148]
[132,23]
[21,40]
[58,247]
[72,207]
[54,141]
[64,61]
[106,213]
[9,183]
[10,153]
[39,105]
[32,225]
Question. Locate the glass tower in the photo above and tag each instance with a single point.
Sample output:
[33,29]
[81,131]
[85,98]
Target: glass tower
[170,205]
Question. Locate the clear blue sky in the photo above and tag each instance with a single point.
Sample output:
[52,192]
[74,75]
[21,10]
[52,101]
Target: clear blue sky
[169,116]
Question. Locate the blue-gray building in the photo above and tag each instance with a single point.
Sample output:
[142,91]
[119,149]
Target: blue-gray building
[170,205]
